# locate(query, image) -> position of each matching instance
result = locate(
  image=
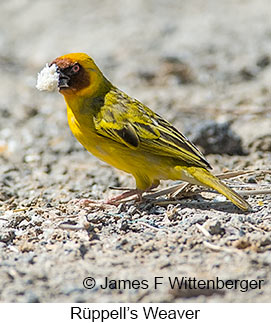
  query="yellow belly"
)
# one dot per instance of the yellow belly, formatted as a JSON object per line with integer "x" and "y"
{"x": 146, "y": 168}
{"x": 140, "y": 165}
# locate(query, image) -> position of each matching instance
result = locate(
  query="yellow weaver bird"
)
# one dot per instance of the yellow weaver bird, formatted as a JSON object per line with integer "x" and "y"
{"x": 128, "y": 135}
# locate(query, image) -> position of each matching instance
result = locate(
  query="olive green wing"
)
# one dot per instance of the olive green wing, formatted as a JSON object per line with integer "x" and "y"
{"x": 117, "y": 125}
{"x": 173, "y": 144}
{"x": 121, "y": 119}
{"x": 129, "y": 122}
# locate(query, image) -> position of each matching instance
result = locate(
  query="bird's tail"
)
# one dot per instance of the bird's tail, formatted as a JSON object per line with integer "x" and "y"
{"x": 205, "y": 178}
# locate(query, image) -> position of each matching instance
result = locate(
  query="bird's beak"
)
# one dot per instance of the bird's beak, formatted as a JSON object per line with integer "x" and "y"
{"x": 63, "y": 81}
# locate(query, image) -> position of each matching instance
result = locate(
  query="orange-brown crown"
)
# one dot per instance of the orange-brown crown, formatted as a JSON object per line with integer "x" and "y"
{"x": 78, "y": 75}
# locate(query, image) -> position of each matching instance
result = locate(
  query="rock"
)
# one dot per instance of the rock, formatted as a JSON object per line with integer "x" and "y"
{"x": 217, "y": 138}
{"x": 215, "y": 227}
{"x": 262, "y": 143}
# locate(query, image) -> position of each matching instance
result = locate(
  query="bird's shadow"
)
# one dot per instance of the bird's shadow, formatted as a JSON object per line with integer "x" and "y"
{"x": 203, "y": 205}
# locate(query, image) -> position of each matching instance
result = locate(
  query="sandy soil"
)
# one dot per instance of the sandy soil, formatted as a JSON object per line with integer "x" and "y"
{"x": 203, "y": 65}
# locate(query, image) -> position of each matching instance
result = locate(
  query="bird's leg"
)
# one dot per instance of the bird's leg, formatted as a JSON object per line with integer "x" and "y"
{"x": 118, "y": 199}
{"x": 101, "y": 204}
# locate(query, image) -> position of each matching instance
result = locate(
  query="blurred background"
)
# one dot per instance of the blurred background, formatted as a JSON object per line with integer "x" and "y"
{"x": 204, "y": 65}
{"x": 191, "y": 61}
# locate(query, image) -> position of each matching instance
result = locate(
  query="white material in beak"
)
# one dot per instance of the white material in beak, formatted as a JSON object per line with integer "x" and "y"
{"x": 48, "y": 78}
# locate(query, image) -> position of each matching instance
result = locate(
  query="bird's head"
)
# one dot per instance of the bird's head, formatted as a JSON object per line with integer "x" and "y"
{"x": 78, "y": 75}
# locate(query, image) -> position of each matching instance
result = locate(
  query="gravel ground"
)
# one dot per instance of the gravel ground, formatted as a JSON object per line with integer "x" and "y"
{"x": 204, "y": 65}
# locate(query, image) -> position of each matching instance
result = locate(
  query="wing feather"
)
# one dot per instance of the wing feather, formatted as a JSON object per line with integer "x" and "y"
{"x": 129, "y": 122}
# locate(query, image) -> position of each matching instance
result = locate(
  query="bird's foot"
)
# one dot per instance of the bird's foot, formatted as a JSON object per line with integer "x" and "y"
{"x": 93, "y": 204}
{"x": 121, "y": 197}
{"x": 103, "y": 205}
{"x": 128, "y": 196}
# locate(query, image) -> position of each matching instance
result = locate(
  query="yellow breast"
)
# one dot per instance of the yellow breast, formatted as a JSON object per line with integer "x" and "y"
{"x": 105, "y": 149}
{"x": 146, "y": 168}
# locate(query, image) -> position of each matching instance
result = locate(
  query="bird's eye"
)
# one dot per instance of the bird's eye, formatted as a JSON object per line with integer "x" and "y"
{"x": 75, "y": 68}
